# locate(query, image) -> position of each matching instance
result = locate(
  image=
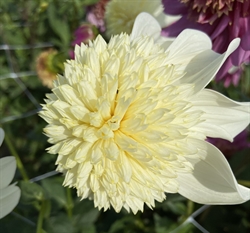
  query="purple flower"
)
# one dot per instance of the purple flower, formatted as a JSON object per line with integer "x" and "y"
{"x": 83, "y": 34}
{"x": 96, "y": 14}
{"x": 229, "y": 148}
{"x": 222, "y": 21}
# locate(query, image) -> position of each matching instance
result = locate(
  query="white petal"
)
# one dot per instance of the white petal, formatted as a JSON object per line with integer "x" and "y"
{"x": 223, "y": 117}
{"x": 145, "y": 24}
{"x": 1, "y": 136}
{"x": 9, "y": 198}
{"x": 165, "y": 20}
{"x": 7, "y": 170}
{"x": 203, "y": 67}
{"x": 165, "y": 42}
{"x": 187, "y": 45}
{"x": 212, "y": 181}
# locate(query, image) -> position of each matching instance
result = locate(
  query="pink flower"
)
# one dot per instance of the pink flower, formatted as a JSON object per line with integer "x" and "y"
{"x": 222, "y": 21}
{"x": 83, "y": 34}
{"x": 96, "y": 14}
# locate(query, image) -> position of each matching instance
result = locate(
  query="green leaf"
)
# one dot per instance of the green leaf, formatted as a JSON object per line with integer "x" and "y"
{"x": 161, "y": 223}
{"x": 88, "y": 228}
{"x": 55, "y": 190}
{"x": 177, "y": 207}
{"x": 85, "y": 215}
{"x": 31, "y": 192}
{"x": 59, "y": 224}
{"x": 121, "y": 224}
{"x": 59, "y": 25}
{"x": 166, "y": 225}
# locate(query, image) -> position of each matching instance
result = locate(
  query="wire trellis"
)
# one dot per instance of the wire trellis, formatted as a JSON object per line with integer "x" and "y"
{"x": 17, "y": 77}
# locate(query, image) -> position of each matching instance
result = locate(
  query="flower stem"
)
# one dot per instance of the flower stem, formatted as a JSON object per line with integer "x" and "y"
{"x": 42, "y": 212}
{"x": 70, "y": 204}
{"x": 190, "y": 208}
{"x": 244, "y": 182}
{"x": 18, "y": 160}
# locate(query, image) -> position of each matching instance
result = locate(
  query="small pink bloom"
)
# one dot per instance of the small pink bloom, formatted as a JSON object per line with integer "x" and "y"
{"x": 83, "y": 34}
{"x": 96, "y": 14}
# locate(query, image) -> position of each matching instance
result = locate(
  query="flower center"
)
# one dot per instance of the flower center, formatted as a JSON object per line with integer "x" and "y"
{"x": 105, "y": 132}
{"x": 108, "y": 128}
{"x": 215, "y": 6}
{"x": 210, "y": 10}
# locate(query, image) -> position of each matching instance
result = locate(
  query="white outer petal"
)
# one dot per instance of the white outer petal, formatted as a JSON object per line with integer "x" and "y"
{"x": 165, "y": 20}
{"x": 9, "y": 198}
{"x": 223, "y": 117}
{"x": 7, "y": 170}
{"x": 212, "y": 181}
{"x": 203, "y": 67}
{"x": 187, "y": 45}
{"x": 147, "y": 25}
{"x": 1, "y": 136}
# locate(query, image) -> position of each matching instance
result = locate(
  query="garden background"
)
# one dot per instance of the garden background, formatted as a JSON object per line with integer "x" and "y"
{"x": 26, "y": 29}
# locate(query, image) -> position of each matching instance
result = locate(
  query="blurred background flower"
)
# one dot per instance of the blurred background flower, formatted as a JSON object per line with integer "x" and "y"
{"x": 120, "y": 15}
{"x": 95, "y": 14}
{"x": 83, "y": 34}
{"x": 48, "y": 64}
{"x": 222, "y": 21}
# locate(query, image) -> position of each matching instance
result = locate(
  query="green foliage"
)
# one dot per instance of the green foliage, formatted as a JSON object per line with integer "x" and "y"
{"x": 59, "y": 26}
{"x": 31, "y": 192}
{"x": 55, "y": 190}
{"x": 59, "y": 223}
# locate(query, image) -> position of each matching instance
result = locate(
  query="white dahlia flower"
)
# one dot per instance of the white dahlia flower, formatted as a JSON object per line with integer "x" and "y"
{"x": 120, "y": 15}
{"x": 129, "y": 120}
{"x": 9, "y": 194}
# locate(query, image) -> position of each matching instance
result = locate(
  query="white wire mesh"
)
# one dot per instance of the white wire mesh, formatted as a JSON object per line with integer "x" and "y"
{"x": 17, "y": 77}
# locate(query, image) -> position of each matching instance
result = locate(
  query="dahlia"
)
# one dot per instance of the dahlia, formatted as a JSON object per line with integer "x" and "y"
{"x": 129, "y": 120}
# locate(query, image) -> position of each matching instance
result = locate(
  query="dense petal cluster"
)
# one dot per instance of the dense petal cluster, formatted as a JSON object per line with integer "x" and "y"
{"x": 9, "y": 194}
{"x": 222, "y": 21}
{"x": 129, "y": 119}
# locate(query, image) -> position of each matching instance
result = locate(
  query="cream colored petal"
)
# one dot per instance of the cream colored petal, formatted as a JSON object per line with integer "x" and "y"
{"x": 9, "y": 198}
{"x": 223, "y": 117}
{"x": 145, "y": 24}
{"x": 7, "y": 170}
{"x": 212, "y": 181}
